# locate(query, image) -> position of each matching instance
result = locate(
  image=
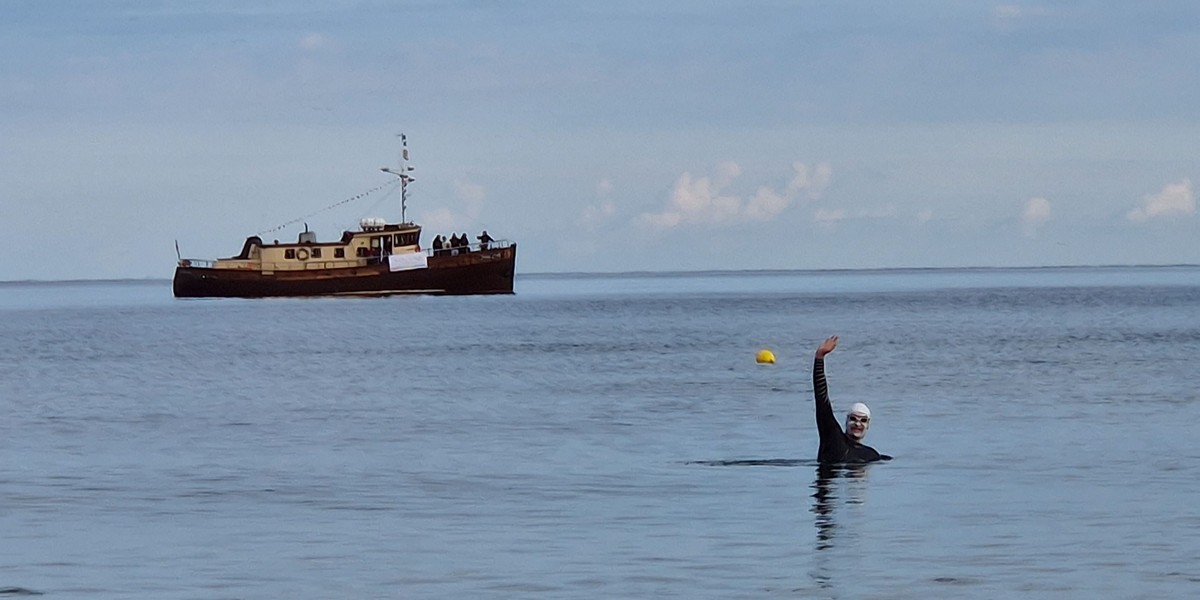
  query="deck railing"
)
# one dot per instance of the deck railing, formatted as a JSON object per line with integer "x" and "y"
{"x": 492, "y": 245}
{"x": 200, "y": 263}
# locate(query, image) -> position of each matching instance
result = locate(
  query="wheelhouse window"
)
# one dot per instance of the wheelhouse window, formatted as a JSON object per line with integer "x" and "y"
{"x": 379, "y": 242}
{"x": 316, "y": 253}
{"x": 339, "y": 253}
{"x": 289, "y": 253}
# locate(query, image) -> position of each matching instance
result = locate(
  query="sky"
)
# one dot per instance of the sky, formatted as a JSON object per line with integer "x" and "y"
{"x": 616, "y": 136}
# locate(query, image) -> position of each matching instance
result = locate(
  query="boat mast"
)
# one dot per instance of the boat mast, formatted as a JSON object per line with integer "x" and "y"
{"x": 405, "y": 178}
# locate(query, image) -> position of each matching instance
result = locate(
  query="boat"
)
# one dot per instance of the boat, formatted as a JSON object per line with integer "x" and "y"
{"x": 381, "y": 258}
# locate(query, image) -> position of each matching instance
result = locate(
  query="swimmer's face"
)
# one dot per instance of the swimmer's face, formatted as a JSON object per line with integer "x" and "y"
{"x": 857, "y": 425}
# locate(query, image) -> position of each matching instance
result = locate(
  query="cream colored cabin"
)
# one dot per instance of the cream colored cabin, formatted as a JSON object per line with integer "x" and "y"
{"x": 375, "y": 239}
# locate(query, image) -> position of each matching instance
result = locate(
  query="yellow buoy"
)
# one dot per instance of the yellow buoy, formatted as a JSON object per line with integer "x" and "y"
{"x": 765, "y": 357}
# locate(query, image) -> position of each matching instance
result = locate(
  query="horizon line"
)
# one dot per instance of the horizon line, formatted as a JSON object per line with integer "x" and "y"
{"x": 643, "y": 273}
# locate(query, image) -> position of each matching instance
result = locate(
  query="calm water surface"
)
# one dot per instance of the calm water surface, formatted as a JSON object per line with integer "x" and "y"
{"x": 606, "y": 436}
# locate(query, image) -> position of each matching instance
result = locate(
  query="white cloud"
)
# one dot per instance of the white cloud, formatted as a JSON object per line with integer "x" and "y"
{"x": 698, "y": 200}
{"x": 726, "y": 173}
{"x": 667, "y": 220}
{"x": 703, "y": 199}
{"x": 831, "y": 216}
{"x": 471, "y": 197}
{"x": 440, "y": 220}
{"x": 314, "y": 41}
{"x": 603, "y": 210}
{"x": 1175, "y": 199}
{"x": 814, "y": 183}
{"x": 598, "y": 213}
{"x": 472, "y": 193}
{"x": 765, "y": 204}
{"x": 925, "y": 216}
{"x": 1035, "y": 214}
{"x": 827, "y": 216}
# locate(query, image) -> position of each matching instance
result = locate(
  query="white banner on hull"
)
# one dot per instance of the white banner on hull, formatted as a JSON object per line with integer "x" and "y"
{"x": 406, "y": 262}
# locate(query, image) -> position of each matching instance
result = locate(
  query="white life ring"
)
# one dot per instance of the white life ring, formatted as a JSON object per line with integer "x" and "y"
{"x": 302, "y": 254}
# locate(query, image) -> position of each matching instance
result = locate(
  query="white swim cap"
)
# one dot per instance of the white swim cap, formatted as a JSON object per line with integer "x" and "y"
{"x": 860, "y": 409}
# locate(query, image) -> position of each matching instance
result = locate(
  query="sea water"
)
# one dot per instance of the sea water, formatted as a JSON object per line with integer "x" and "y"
{"x": 606, "y": 436}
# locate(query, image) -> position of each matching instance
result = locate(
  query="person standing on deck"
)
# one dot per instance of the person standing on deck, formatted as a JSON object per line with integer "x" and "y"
{"x": 839, "y": 446}
{"x": 484, "y": 240}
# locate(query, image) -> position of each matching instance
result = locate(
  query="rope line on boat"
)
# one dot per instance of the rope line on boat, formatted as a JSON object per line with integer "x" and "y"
{"x": 390, "y": 184}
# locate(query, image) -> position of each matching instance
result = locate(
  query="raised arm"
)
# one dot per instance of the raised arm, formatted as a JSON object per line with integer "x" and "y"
{"x": 827, "y": 424}
{"x": 827, "y": 346}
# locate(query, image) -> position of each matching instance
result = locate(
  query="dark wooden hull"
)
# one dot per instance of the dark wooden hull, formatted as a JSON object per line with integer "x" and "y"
{"x": 478, "y": 272}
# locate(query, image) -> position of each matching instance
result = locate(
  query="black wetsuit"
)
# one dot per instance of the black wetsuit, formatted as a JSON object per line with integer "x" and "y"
{"x": 836, "y": 446}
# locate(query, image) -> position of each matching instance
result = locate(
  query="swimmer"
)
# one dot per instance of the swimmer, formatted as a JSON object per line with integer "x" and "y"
{"x": 838, "y": 446}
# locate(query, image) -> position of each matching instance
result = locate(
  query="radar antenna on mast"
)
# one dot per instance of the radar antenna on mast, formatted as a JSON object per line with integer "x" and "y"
{"x": 404, "y": 176}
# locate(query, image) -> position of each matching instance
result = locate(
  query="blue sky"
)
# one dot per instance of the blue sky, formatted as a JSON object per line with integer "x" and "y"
{"x": 614, "y": 136}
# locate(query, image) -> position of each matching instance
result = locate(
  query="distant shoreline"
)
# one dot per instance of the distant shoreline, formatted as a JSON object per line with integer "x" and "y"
{"x": 863, "y": 270}
{"x": 705, "y": 273}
